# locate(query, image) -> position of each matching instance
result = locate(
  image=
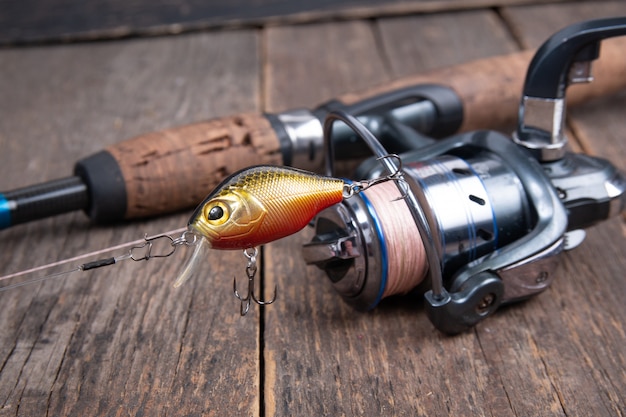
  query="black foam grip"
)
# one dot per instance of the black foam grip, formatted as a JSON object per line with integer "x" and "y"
{"x": 106, "y": 186}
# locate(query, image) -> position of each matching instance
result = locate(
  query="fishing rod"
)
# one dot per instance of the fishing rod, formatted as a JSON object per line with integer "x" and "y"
{"x": 474, "y": 221}
{"x": 151, "y": 174}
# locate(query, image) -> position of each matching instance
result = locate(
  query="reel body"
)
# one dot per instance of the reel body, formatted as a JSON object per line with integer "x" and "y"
{"x": 498, "y": 218}
{"x": 492, "y": 211}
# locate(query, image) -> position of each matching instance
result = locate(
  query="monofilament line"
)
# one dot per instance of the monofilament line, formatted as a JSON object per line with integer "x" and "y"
{"x": 76, "y": 258}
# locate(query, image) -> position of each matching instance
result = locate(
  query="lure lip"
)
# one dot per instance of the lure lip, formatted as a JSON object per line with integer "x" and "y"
{"x": 201, "y": 248}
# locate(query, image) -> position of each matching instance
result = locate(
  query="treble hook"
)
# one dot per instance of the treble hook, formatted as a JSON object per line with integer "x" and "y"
{"x": 251, "y": 270}
{"x": 358, "y": 186}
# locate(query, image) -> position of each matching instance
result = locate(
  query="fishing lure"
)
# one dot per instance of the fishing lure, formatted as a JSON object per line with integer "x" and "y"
{"x": 253, "y": 207}
{"x": 250, "y": 208}
{"x": 259, "y": 205}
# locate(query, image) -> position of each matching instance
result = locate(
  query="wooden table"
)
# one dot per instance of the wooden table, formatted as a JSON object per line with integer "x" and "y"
{"x": 121, "y": 341}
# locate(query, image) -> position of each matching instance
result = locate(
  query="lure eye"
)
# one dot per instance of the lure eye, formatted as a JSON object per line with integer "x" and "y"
{"x": 216, "y": 213}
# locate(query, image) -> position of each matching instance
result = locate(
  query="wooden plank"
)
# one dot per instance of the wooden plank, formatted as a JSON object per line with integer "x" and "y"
{"x": 71, "y": 20}
{"x": 450, "y": 32}
{"x": 321, "y": 356}
{"x": 119, "y": 340}
{"x": 307, "y": 65}
{"x": 577, "y": 327}
{"x": 532, "y": 25}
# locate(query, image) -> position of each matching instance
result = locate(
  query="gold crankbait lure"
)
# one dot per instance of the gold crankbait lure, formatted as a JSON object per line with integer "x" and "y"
{"x": 256, "y": 206}
{"x": 262, "y": 204}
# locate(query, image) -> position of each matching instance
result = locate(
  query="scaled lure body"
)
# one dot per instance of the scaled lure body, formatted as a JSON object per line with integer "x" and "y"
{"x": 262, "y": 204}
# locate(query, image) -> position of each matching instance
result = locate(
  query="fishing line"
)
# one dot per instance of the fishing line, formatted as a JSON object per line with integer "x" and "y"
{"x": 139, "y": 243}
{"x": 407, "y": 262}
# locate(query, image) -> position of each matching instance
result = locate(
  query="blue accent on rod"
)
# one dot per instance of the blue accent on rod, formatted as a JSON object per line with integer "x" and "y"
{"x": 5, "y": 212}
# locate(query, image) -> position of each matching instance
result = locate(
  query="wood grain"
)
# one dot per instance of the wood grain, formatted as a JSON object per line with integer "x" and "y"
{"x": 298, "y": 58}
{"x": 531, "y": 25}
{"x": 120, "y": 340}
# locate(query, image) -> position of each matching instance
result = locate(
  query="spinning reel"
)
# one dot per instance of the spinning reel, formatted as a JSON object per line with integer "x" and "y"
{"x": 490, "y": 212}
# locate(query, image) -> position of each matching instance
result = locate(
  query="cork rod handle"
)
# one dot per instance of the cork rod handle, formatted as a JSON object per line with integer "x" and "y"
{"x": 175, "y": 168}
